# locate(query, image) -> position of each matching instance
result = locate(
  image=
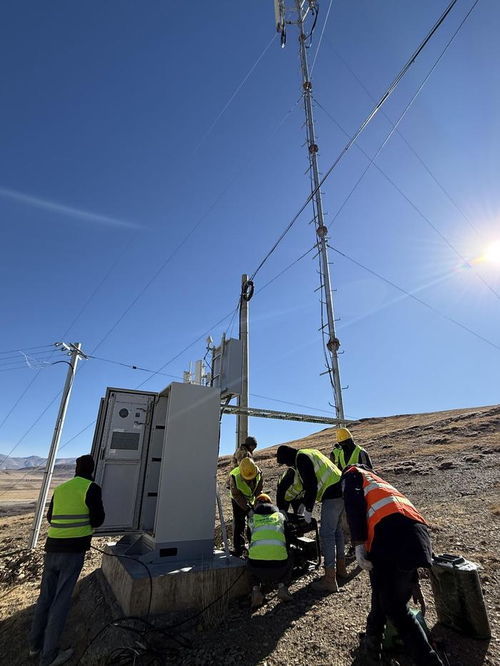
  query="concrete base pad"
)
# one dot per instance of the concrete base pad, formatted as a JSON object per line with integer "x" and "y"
{"x": 174, "y": 586}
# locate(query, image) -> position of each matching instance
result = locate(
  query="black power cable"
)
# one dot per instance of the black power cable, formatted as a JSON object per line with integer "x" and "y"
{"x": 150, "y": 628}
{"x": 143, "y": 564}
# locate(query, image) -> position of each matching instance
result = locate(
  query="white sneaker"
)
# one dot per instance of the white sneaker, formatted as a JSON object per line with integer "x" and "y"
{"x": 62, "y": 657}
{"x": 35, "y": 653}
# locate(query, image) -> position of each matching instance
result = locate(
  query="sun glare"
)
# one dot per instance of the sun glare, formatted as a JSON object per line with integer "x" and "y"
{"x": 492, "y": 253}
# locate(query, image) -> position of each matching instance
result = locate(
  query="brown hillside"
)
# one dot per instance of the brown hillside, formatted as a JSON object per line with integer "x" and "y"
{"x": 446, "y": 462}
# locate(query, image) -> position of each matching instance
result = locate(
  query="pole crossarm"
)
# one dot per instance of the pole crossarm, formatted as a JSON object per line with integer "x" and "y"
{"x": 283, "y": 416}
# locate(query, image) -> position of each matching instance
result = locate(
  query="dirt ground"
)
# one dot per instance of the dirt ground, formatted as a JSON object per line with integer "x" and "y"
{"x": 445, "y": 462}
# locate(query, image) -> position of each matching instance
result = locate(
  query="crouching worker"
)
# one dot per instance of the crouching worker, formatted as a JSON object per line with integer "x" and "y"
{"x": 391, "y": 540}
{"x": 268, "y": 561}
{"x": 76, "y": 508}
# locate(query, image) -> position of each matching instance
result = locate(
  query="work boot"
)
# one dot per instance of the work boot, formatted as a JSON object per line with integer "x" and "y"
{"x": 373, "y": 650}
{"x": 327, "y": 583}
{"x": 62, "y": 657}
{"x": 257, "y": 597}
{"x": 341, "y": 569}
{"x": 284, "y": 593}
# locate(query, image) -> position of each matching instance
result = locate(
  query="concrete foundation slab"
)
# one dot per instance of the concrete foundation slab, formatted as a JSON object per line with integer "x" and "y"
{"x": 174, "y": 586}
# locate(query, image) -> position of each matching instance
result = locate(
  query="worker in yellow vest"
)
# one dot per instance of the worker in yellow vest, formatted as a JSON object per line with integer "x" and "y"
{"x": 245, "y": 483}
{"x": 320, "y": 479}
{"x": 75, "y": 510}
{"x": 346, "y": 452}
{"x": 391, "y": 541}
{"x": 268, "y": 560}
{"x": 290, "y": 492}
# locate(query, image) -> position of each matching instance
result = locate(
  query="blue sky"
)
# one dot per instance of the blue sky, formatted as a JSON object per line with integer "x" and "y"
{"x": 125, "y": 149}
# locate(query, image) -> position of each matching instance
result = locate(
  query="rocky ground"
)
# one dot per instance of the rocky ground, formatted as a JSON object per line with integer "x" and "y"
{"x": 445, "y": 462}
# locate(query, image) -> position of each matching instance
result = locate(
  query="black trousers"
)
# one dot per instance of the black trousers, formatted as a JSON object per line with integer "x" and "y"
{"x": 391, "y": 591}
{"x": 239, "y": 524}
{"x": 270, "y": 572}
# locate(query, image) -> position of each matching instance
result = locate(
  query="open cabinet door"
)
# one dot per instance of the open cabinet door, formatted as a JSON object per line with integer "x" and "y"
{"x": 122, "y": 432}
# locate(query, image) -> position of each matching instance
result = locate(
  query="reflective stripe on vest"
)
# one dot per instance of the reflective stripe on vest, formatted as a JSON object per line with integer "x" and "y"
{"x": 338, "y": 454}
{"x": 243, "y": 486}
{"x": 267, "y": 537}
{"x": 70, "y": 515}
{"x": 295, "y": 490}
{"x": 382, "y": 500}
{"x": 327, "y": 473}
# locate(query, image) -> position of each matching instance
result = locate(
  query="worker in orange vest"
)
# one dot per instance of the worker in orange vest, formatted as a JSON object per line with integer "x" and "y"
{"x": 392, "y": 541}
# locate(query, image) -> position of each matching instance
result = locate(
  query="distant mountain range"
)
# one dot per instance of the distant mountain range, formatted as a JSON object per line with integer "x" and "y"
{"x": 7, "y": 462}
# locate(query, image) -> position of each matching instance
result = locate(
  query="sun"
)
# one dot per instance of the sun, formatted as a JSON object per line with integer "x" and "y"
{"x": 492, "y": 253}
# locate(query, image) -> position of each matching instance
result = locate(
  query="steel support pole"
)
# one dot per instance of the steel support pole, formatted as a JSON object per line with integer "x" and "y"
{"x": 242, "y": 420}
{"x": 51, "y": 460}
{"x": 333, "y": 343}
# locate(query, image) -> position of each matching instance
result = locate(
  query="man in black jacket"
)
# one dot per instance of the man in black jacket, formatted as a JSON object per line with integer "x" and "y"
{"x": 75, "y": 509}
{"x": 391, "y": 541}
{"x": 320, "y": 480}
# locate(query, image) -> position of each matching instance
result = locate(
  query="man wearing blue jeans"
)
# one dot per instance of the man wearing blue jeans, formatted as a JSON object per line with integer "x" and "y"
{"x": 76, "y": 508}
{"x": 320, "y": 480}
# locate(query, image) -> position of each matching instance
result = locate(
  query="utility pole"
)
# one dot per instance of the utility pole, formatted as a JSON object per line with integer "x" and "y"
{"x": 242, "y": 420}
{"x": 74, "y": 349}
{"x": 302, "y": 10}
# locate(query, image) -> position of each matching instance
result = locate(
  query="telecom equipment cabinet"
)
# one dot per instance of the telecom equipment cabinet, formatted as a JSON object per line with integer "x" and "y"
{"x": 156, "y": 461}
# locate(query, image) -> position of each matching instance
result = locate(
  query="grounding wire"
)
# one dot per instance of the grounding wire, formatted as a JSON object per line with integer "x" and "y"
{"x": 321, "y": 36}
{"x": 234, "y": 94}
{"x": 392, "y": 182}
{"x": 408, "y": 144}
{"x": 287, "y": 402}
{"x": 287, "y": 268}
{"x": 191, "y": 344}
{"x": 416, "y": 298}
{"x": 359, "y": 131}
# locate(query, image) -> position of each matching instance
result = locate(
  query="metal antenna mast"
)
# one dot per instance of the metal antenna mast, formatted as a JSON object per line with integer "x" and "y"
{"x": 300, "y": 12}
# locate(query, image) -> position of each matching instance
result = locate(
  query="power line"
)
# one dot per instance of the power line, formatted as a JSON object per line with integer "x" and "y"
{"x": 133, "y": 367}
{"x": 12, "y": 351}
{"x": 359, "y": 131}
{"x": 416, "y": 298}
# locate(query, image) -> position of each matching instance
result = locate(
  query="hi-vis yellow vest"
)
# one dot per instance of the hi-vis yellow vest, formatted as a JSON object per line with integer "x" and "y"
{"x": 243, "y": 486}
{"x": 339, "y": 457}
{"x": 295, "y": 490}
{"x": 268, "y": 540}
{"x": 70, "y": 514}
{"x": 327, "y": 474}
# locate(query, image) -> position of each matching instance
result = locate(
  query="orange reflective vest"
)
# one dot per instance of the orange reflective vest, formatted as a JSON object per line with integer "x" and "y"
{"x": 382, "y": 500}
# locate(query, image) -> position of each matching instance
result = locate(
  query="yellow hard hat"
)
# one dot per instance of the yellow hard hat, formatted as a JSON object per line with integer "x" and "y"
{"x": 248, "y": 469}
{"x": 263, "y": 497}
{"x": 342, "y": 434}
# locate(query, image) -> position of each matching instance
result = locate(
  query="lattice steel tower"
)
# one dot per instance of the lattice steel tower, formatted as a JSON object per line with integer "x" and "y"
{"x": 298, "y": 13}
